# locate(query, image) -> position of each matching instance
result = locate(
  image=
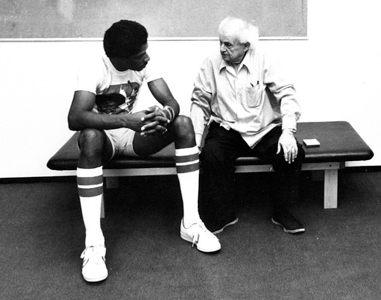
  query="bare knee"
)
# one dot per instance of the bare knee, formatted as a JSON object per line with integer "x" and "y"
{"x": 183, "y": 128}
{"x": 91, "y": 142}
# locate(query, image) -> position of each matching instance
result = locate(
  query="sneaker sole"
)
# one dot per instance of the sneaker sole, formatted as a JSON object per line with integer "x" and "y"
{"x": 292, "y": 231}
{"x": 227, "y": 225}
{"x": 95, "y": 279}
{"x": 190, "y": 240}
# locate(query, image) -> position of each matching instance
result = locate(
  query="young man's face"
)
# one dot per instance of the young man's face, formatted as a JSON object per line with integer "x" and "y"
{"x": 135, "y": 62}
{"x": 232, "y": 51}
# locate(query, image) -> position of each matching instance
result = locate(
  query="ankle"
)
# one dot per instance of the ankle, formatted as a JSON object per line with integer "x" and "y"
{"x": 94, "y": 239}
{"x": 187, "y": 222}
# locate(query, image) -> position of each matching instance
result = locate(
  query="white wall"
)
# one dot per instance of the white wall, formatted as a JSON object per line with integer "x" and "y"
{"x": 337, "y": 73}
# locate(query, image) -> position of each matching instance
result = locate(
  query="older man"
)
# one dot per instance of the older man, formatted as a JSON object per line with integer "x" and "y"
{"x": 250, "y": 108}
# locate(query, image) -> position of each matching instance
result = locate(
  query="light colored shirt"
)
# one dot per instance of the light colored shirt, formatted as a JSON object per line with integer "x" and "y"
{"x": 98, "y": 75}
{"x": 252, "y": 100}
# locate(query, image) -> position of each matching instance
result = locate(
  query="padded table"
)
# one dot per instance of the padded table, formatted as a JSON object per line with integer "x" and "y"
{"x": 339, "y": 143}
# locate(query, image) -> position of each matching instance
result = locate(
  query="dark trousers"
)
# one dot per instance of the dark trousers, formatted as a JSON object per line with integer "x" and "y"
{"x": 221, "y": 149}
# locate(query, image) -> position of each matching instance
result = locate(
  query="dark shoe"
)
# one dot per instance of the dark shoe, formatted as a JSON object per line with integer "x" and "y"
{"x": 288, "y": 222}
{"x": 218, "y": 226}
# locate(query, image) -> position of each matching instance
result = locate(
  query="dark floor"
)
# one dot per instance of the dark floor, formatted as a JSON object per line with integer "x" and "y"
{"x": 42, "y": 237}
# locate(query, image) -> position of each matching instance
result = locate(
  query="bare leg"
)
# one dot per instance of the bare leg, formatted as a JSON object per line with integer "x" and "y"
{"x": 95, "y": 149}
{"x": 180, "y": 131}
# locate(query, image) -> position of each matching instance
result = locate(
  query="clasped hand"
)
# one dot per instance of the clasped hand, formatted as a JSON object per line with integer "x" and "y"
{"x": 287, "y": 143}
{"x": 154, "y": 121}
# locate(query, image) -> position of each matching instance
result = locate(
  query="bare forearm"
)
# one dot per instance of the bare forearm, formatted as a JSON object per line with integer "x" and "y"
{"x": 94, "y": 120}
{"x": 163, "y": 95}
{"x": 175, "y": 105}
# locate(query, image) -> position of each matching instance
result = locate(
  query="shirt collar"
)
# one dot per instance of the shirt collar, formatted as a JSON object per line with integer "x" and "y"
{"x": 223, "y": 64}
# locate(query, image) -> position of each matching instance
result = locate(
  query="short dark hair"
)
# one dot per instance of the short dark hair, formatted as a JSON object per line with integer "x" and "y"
{"x": 124, "y": 39}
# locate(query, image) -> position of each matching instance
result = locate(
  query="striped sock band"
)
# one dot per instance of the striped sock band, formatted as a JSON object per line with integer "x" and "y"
{"x": 90, "y": 189}
{"x": 90, "y": 182}
{"x": 187, "y": 166}
{"x": 187, "y": 160}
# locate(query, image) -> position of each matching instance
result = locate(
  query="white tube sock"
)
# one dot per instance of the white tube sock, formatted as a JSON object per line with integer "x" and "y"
{"x": 187, "y": 165}
{"x": 90, "y": 189}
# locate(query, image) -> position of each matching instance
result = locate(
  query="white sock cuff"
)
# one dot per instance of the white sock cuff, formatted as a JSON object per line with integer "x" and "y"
{"x": 186, "y": 151}
{"x": 89, "y": 172}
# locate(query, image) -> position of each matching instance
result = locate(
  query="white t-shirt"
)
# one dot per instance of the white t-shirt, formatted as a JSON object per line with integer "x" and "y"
{"x": 115, "y": 91}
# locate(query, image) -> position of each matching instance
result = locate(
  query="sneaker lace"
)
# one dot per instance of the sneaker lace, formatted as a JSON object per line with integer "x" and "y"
{"x": 196, "y": 238}
{"x": 93, "y": 254}
{"x": 201, "y": 229}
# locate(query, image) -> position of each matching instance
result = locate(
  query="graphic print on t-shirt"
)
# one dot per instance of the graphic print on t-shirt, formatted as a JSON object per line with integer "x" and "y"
{"x": 118, "y": 98}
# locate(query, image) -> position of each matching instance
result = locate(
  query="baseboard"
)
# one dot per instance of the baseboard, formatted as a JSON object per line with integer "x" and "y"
{"x": 37, "y": 179}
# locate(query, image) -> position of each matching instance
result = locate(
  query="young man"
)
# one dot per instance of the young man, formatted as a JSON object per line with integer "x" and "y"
{"x": 251, "y": 109}
{"x": 103, "y": 110}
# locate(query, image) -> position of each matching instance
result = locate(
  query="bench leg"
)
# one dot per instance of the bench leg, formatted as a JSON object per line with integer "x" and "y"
{"x": 330, "y": 188}
{"x": 111, "y": 182}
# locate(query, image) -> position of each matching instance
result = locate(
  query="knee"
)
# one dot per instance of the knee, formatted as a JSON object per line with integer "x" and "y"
{"x": 91, "y": 142}
{"x": 213, "y": 154}
{"x": 279, "y": 163}
{"x": 300, "y": 157}
{"x": 301, "y": 153}
{"x": 183, "y": 127}
{"x": 215, "y": 162}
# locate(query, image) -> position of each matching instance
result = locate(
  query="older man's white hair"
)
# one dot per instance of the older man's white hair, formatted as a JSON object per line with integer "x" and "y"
{"x": 244, "y": 31}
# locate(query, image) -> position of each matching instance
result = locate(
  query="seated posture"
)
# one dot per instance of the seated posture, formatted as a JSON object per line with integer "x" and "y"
{"x": 103, "y": 110}
{"x": 250, "y": 109}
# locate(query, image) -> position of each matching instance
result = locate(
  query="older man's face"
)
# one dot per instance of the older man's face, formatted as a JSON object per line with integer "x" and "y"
{"x": 232, "y": 51}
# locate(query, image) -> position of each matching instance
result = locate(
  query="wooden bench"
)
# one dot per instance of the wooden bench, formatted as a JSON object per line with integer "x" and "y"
{"x": 339, "y": 143}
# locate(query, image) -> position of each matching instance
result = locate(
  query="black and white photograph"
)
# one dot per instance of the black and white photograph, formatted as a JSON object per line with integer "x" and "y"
{"x": 191, "y": 149}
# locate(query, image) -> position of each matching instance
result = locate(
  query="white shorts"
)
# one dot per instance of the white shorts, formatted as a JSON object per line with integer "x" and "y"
{"x": 121, "y": 140}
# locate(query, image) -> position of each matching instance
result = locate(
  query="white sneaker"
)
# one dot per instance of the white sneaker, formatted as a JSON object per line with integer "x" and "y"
{"x": 199, "y": 235}
{"x": 94, "y": 264}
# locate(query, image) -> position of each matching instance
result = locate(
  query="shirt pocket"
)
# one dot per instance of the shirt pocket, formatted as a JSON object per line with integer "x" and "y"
{"x": 254, "y": 95}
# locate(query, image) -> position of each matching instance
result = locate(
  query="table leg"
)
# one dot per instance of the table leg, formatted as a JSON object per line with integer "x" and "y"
{"x": 330, "y": 188}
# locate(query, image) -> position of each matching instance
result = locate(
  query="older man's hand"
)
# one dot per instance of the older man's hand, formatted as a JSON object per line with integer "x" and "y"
{"x": 287, "y": 143}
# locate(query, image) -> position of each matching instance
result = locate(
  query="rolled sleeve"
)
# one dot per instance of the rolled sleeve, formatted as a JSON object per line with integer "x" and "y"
{"x": 201, "y": 99}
